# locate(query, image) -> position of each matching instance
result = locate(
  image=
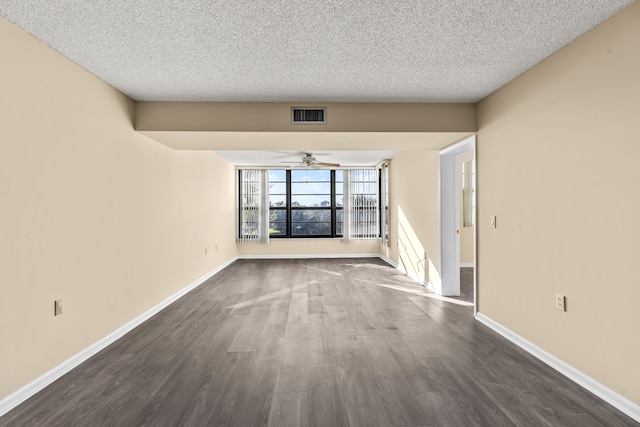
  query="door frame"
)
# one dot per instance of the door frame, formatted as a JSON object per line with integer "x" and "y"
{"x": 449, "y": 216}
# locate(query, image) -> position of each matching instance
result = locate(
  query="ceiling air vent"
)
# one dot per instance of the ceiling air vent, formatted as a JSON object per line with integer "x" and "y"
{"x": 309, "y": 115}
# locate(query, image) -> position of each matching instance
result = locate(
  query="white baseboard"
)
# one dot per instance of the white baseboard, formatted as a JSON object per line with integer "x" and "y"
{"x": 611, "y": 397}
{"x": 28, "y": 390}
{"x": 466, "y": 264}
{"x": 427, "y": 284}
{"x": 388, "y": 261}
{"x": 308, "y": 256}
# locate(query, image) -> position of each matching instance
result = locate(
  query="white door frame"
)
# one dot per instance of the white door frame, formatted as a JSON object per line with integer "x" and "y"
{"x": 448, "y": 220}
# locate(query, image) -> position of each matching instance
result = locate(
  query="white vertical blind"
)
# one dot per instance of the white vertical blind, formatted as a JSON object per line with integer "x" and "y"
{"x": 361, "y": 210}
{"x": 254, "y": 202}
{"x": 263, "y": 234}
{"x": 384, "y": 203}
{"x": 347, "y": 213}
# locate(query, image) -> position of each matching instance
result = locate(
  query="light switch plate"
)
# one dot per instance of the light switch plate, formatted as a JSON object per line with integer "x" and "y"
{"x": 493, "y": 221}
{"x": 57, "y": 307}
{"x": 560, "y": 302}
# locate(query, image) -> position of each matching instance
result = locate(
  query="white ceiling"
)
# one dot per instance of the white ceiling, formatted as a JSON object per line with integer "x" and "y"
{"x": 308, "y": 51}
{"x": 304, "y": 50}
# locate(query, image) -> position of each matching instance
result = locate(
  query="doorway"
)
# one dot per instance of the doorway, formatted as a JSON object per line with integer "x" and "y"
{"x": 452, "y": 220}
{"x": 465, "y": 218}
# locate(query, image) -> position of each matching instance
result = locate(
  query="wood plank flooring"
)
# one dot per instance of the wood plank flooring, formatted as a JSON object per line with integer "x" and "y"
{"x": 342, "y": 342}
{"x": 466, "y": 284}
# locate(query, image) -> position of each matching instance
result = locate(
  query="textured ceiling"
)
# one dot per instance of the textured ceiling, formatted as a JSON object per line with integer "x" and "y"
{"x": 304, "y": 51}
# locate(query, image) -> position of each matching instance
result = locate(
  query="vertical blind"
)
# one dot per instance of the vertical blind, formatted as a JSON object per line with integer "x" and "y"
{"x": 254, "y": 205}
{"x": 362, "y": 215}
{"x": 384, "y": 203}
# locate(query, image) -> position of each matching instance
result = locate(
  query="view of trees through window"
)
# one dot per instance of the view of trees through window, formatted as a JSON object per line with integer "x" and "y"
{"x": 312, "y": 198}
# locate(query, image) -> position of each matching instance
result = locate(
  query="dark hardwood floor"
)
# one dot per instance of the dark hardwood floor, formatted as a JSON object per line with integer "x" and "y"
{"x": 466, "y": 284}
{"x": 313, "y": 343}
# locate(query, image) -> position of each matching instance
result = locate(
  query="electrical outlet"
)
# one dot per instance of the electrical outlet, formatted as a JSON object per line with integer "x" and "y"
{"x": 205, "y": 251}
{"x": 561, "y": 302}
{"x": 216, "y": 247}
{"x": 57, "y": 304}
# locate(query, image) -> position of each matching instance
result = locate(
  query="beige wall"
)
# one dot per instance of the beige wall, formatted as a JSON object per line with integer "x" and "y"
{"x": 413, "y": 214}
{"x": 558, "y": 152}
{"x": 92, "y": 212}
{"x": 304, "y": 247}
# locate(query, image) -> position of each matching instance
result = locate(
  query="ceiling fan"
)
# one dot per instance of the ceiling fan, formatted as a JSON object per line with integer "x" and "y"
{"x": 309, "y": 161}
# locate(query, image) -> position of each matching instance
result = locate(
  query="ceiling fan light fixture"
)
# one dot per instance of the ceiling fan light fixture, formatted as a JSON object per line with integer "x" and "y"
{"x": 309, "y": 161}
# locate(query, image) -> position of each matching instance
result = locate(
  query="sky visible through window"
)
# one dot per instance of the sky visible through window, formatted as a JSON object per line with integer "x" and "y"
{"x": 309, "y": 188}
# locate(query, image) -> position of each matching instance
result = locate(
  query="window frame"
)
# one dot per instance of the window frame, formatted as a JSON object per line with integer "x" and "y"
{"x": 289, "y": 209}
{"x": 284, "y": 208}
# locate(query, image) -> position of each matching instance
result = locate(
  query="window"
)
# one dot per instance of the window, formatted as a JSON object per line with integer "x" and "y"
{"x": 312, "y": 210}
{"x": 339, "y": 201}
{"x": 277, "y": 202}
{"x": 302, "y": 203}
{"x": 311, "y": 203}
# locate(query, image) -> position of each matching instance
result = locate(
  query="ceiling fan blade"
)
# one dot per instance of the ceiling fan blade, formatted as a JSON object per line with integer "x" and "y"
{"x": 328, "y": 164}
